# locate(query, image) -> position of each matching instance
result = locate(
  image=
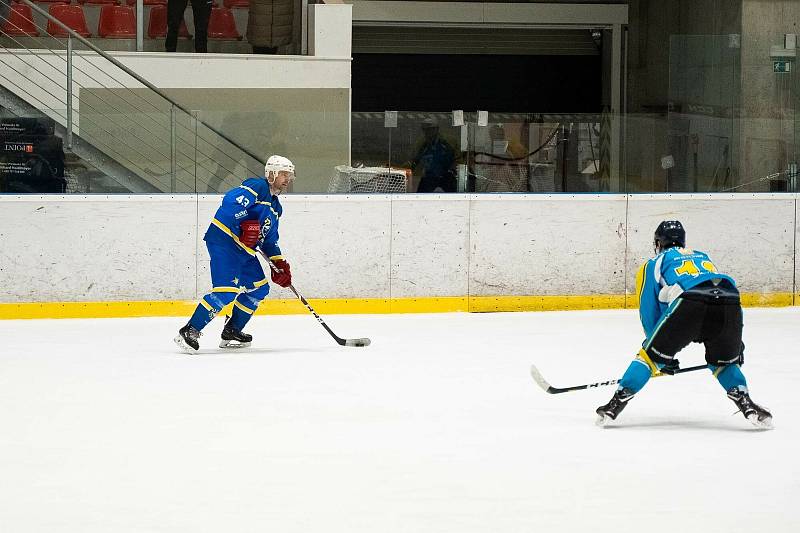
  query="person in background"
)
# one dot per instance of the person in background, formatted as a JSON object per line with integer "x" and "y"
{"x": 201, "y": 11}
{"x": 270, "y": 25}
{"x": 683, "y": 298}
{"x": 437, "y": 158}
{"x": 245, "y": 225}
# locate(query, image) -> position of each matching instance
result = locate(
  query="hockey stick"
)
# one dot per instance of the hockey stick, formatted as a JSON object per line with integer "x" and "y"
{"x": 342, "y": 342}
{"x": 537, "y": 377}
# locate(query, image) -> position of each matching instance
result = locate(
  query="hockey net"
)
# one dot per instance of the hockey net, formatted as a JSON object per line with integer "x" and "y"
{"x": 348, "y": 179}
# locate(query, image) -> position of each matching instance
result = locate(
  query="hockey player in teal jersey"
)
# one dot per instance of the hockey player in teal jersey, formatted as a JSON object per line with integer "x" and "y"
{"x": 683, "y": 298}
{"x": 245, "y": 224}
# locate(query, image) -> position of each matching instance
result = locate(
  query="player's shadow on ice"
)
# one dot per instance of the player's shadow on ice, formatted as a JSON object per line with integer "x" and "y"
{"x": 245, "y": 352}
{"x": 672, "y": 424}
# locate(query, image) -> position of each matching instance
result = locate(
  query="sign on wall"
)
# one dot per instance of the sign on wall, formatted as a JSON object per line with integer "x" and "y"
{"x": 31, "y": 156}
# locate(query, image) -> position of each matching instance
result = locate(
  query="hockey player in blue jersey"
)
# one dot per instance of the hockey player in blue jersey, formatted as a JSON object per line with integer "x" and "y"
{"x": 684, "y": 299}
{"x": 245, "y": 225}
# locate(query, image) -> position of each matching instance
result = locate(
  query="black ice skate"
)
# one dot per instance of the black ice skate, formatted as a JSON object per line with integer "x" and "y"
{"x": 757, "y": 415}
{"x": 610, "y": 411}
{"x": 187, "y": 339}
{"x": 233, "y": 338}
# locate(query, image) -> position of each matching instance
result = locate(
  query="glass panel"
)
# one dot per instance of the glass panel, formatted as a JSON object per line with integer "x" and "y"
{"x": 794, "y": 113}
{"x": 430, "y": 147}
{"x": 646, "y": 160}
{"x": 702, "y": 128}
{"x": 512, "y": 153}
{"x": 537, "y": 153}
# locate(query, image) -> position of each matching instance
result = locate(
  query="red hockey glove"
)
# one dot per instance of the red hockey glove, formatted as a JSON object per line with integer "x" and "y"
{"x": 282, "y": 276}
{"x": 250, "y": 232}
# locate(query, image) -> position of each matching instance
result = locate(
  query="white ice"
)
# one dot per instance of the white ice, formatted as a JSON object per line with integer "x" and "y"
{"x": 436, "y": 428}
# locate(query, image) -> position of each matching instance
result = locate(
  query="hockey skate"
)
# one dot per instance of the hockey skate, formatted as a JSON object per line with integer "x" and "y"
{"x": 232, "y": 338}
{"x": 610, "y": 411}
{"x": 757, "y": 415}
{"x": 187, "y": 339}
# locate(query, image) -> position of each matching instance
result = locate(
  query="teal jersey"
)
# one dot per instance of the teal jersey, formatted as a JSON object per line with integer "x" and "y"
{"x": 668, "y": 275}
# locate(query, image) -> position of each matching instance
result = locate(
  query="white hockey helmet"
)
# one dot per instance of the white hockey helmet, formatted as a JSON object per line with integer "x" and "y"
{"x": 278, "y": 163}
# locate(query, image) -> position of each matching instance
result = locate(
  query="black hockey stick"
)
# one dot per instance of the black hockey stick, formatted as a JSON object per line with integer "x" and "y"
{"x": 342, "y": 342}
{"x": 537, "y": 377}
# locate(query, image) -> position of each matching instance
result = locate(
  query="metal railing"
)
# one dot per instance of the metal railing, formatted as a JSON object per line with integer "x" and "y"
{"x": 104, "y": 108}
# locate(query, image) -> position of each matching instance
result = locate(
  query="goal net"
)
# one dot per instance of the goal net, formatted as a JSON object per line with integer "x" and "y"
{"x": 368, "y": 180}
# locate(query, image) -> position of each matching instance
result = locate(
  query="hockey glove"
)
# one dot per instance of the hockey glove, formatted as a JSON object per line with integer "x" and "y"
{"x": 250, "y": 231}
{"x": 281, "y": 275}
{"x": 670, "y": 367}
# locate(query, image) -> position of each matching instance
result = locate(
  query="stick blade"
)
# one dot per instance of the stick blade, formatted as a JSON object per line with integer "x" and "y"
{"x": 539, "y": 379}
{"x": 358, "y": 342}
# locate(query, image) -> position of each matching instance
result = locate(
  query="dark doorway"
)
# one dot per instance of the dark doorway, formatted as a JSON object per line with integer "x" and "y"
{"x": 510, "y": 83}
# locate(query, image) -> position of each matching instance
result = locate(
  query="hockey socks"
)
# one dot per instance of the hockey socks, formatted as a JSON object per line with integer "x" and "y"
{"x": 636, "y": 376}
{"x": 730, "y": 376}
{"x": 243, "y": 308}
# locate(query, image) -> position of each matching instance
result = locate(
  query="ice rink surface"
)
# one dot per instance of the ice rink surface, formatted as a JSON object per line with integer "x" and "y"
{"x": 435, "y": 428}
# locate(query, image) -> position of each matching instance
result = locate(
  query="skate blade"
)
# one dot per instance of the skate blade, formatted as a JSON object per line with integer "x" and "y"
{"x": 233, "y": 345}
{"x": 760, "y": 424}
{"x": 183, "y": 346}
{"x": 602, "y": 420}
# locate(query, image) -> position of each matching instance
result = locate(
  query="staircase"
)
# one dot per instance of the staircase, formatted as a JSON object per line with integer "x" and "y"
{"x": 117, "y": 132}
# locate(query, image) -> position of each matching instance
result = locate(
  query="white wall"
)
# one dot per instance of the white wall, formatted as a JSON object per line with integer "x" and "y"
{"x": 750, "y": 236}
{"x": 118, "y": 248}
{"x": 40, "y": 79}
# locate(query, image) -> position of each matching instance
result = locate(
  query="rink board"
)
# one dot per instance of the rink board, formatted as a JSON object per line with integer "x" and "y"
{"x": 144, "y": 255}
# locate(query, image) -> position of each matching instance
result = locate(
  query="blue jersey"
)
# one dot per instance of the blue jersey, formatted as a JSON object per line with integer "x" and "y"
{"x": 668, "y": 275}
{"x": 252, "y": 200}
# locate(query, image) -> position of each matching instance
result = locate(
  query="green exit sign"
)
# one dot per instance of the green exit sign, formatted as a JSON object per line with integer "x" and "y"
{"x": 781, "y": 66}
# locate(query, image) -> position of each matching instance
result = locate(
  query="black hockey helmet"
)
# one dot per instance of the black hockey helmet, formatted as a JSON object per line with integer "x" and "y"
{"x": 669, "y": 233}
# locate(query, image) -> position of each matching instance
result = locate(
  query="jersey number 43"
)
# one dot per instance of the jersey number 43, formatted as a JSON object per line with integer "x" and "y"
{"x": 689, "y": 268}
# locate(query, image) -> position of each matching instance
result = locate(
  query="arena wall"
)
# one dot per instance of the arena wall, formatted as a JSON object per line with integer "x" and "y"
{"x": 140, "y": 255}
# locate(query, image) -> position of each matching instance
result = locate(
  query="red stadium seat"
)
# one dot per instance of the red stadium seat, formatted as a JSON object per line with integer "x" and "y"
{"x": 157, "y": 24}
{"x": 70, "y": 15}
{"x": 19, "y": 22}
{"x": 117, "y": 22}
{"x": 98, "y": 1}
{"x": 221, "y": 25}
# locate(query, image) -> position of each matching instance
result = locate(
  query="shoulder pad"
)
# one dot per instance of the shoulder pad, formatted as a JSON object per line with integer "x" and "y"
{"x": 260, "y": 186}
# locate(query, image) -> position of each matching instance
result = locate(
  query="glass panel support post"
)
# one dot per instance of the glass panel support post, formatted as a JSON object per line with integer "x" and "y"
{"x": 69, "y": 93}
{"x": 173, "y": 151}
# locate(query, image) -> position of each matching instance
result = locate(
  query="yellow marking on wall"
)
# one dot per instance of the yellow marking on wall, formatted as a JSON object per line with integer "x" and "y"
{"x": 474, "y": 304}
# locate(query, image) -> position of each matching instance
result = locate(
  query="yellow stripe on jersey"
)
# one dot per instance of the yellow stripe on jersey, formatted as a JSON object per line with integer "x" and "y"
{"x": 245, "y": 187}
{"x": 640, "y": 282}
{"x": 243, "y": 307}
{"x": 207, "y": 305}
{"x": 233, "y": 236}
{"x": 261, "y": 283}
{"x": 642, "y": 355}
{"x": 225, "y": 289}
{"x": 270, "y": 208}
